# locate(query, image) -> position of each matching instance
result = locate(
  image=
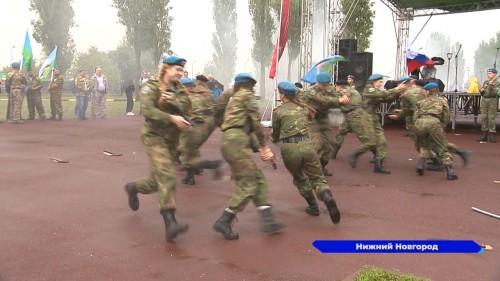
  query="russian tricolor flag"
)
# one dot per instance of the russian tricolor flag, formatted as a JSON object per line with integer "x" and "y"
{"x": 415, "y": 60}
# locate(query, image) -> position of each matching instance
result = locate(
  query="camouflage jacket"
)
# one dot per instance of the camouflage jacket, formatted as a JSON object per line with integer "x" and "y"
{"x": 34, "y": 85}
{"x": 158, "y": 111}
{"x": 289, "y": 119}
{"x": 409, "y": 100}
{"x": 16, "y": 80}
{"x": 241, "y": 110}
{"x": 82, "y": 86}
{"x": 356, "y": 101}
{"x": 55, "y": 87}
{"x": 433, "y": 105}
{"x": 315, "y": 99}
{"x": 372, "y": 98}
{"x": 490, "y": 91}
{"x": 95, "y": 83}
{"x": 201, "y": 102}
{"x": 220, "y": 106}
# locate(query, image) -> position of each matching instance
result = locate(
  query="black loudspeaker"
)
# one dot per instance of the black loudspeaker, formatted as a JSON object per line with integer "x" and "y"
{"x": 344, "y": 69}
{"x": 347, "y": 47}
{"x": 361, "y": 65}
{"x": 437, "y": 81}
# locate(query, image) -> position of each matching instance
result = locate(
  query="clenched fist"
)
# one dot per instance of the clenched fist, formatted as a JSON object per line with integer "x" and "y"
{"x": 266, "y": 154}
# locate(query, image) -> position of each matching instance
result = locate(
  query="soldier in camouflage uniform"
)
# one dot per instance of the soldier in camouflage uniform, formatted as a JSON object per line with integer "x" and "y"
{"x": 431, "y": 116}
{"x": 319, "y": 127}
{"x": 99, "y": 88}
{"x": 55, "y": 91}
{"x": 164, "y": 102}
{"x": 16, "y": 82}
{"x": 34, "y": 96}
{"x": 82, "y": 94}
{"x": 290, "y": 122}
{"x": 356, "y": 120}
{"x": 202, "y": 118}
{"x": 241, "y": 119}
{"x": 372, "y": 99}
{"x": 489, "y": 102}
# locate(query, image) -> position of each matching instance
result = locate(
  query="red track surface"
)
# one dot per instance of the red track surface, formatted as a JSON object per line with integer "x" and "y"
{"x": 71, "y": 221}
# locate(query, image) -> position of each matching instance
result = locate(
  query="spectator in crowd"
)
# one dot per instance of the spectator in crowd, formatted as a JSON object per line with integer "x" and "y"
{"x": 100, "y": 88}
{"x": 129, "y": 92}
{"x": 217, "y": 91}
{"x": 428, "y": 71}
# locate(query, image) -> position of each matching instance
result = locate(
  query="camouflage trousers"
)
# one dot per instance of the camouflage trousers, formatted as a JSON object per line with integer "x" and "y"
{"x": 322, "y": 139}
{"x": 361, "y": 124}
{"x": 193, "y": 138}
{"x": 99, "y": 105}
{"x": 35, "y": 102}
{"x": 55, "y": 104}
{"x": 302, "y": 162}
{"x": 251, "y": 183}
{"x": 429, "y": 131}
{"x": 16, "y": 102}
{"x": 488, "y": 114}
{"x": 381, "y": 151}
{"x": 162, "y": 177}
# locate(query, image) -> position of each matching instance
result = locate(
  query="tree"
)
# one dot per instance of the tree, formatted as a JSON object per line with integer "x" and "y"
{"x": 55, "y": 19}
{"x": 360, "y": 24}
{"x": 93, "y": 58}
{"x": 262, "y": 30}
{"x": 148, "y": 27}
{"x": 294, "y": 31}
{"x": 224, "y": 40}
{"x": 485, "y": 55}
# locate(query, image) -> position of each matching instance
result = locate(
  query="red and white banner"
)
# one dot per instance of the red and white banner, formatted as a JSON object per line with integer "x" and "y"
{"x": 283, "y": 37}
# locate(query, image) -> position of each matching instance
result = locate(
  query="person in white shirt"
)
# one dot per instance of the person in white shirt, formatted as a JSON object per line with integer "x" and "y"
{"x": 99, "y": 92}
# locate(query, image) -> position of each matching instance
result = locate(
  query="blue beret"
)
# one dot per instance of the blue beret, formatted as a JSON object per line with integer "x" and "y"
{"x": 414, "y": 76}
{"x": 323, "y": 78}
{"x": 404, "y": 79}
{"x": 493, "y": 70}
{"x": 375, "y": 77}
{"x": 243, "y": 77}
{"x": 16, "y": 65}
{"x": 187, "y": 82}
{"x": 430, "y": 86}
{"x": 287, "y": 88}
{"x": 173, "y": 60}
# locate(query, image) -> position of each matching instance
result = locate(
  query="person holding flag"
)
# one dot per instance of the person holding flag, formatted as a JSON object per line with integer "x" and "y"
{"x": 55, "y": 91}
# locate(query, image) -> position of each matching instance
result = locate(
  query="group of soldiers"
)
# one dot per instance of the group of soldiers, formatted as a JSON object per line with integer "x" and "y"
{"x": 19, "y": 84}
{"x": 180, "y": 116}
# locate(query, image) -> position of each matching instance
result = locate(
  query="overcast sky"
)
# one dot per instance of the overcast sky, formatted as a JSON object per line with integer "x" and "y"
{"x": 96, "y": 23}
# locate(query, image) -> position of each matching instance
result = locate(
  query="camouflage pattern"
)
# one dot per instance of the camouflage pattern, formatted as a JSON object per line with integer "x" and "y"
{"x": 202, "y": 118}
{"x": 98, "y": 98}
{"x": 82, "y": 86}
{"x": 160, "y": 138}
{"x": 355, "y": 120}
{"x": 409, "y": 100}
{"x": 431, "y": 116}
{"x": 300, "y": 159}
{"x": 489, "y": 102}
{"x": 17, "y": 82}
{"x": 242, "y": 110}
{"x": 55, "y": 91}
{"x": 34, "y": 96}
{"x": 372, "y": 99}
{"x": 319, "y": 128}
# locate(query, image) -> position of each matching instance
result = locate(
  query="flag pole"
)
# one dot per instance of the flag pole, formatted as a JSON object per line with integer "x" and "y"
{"x": 275, "y": 96}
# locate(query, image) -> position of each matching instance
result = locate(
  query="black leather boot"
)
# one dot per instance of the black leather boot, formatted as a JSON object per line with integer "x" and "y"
{"x": 269, "y": 224}
{"x": 172, "y": 228}
{"x": 379, "y": 167}
{"x": 450, "y": 173}
{"x": 224, "y": 226}
{"x": 421, "y": 166}
{"x": 189, "y": 179}
{"x": 493, "y": 138}
{"x": 313, "y": 208}
{"x": 464, "y": 154}
{"x": 353, "y": 159}
{"x": 213, "y": 165}
{"x": 325, "y": 171}
{"x": 483, "y": 136}
{"x": 435, "y": 165}
{"x": 133, "y": 201}
{"x": 331, "y": 205}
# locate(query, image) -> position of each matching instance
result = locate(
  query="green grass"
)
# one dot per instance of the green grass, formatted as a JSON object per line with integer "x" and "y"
{"x": 113, "y": 108}
{"x": 377, "y": 274}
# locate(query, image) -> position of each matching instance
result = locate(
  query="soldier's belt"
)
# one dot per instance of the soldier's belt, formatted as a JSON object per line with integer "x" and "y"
{"x": 428, "y": 116}
{"x": 295, "y": 139}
